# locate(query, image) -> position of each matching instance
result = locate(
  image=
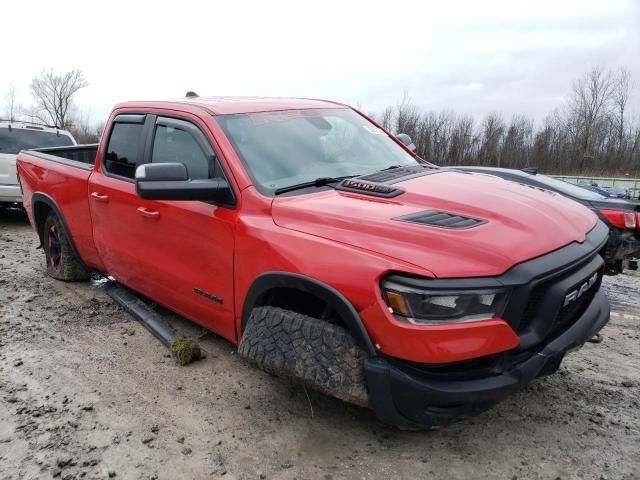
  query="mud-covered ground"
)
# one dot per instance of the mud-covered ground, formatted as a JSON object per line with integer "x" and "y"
{"x": 86, "y": 392}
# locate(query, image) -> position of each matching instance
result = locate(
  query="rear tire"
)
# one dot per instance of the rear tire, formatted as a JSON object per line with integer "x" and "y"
{"x": 316, "y": 353}
{"x": 62, "y": 262}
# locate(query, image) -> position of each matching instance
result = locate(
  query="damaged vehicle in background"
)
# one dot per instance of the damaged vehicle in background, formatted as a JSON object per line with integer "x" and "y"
{"x": 622, "y": 250}
{"x": 326, "y": 250}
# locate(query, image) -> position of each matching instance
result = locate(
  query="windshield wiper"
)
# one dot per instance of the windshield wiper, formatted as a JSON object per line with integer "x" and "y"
{"x": 318, "y": 182}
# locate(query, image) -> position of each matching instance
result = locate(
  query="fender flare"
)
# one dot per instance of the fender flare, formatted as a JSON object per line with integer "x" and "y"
{"x": 40, "y": 197}
{"x": 270, "y": 280}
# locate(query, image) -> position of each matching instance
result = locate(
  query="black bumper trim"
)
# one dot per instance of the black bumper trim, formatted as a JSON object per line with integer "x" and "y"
{"x": 408, "y": 401}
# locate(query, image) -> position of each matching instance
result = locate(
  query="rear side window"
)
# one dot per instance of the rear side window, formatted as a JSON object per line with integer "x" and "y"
{"x": 15, "y": 139}
{"x": 174, "y": 145}
{"x": 124, "y": 151}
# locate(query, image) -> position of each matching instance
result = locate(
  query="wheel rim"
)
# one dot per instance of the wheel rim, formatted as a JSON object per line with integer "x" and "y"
{"x": 55, "y": 252}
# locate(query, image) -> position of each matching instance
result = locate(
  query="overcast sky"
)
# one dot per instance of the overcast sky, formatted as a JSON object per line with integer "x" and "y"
{"x": 470, "y": 56}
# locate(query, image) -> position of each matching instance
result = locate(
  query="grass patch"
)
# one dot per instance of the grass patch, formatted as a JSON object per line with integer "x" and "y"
{"x": 186, "y": 351}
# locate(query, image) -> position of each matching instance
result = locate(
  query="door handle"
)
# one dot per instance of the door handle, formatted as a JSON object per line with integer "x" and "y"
{"x": 99, "y": 197}
{"x": 148, "y": 213}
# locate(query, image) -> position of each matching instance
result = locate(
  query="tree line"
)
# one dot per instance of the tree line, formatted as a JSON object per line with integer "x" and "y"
{"x": 592, "y": 134}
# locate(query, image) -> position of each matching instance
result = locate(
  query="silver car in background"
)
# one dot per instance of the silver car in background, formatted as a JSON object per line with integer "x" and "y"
{"x": 16, "y": 136}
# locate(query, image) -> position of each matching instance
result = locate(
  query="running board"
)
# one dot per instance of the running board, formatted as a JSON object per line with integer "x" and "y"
{"x": 147, "y": 316}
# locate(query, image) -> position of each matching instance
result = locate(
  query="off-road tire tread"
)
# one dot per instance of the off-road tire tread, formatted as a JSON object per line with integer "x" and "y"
{"x": 73, "y": 269}
{"x": 314, "y": 352}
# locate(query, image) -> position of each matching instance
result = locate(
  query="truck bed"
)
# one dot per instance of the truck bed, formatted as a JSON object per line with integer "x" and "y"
{"x": 59, "y": 176}
{"x": 83, "y": 156}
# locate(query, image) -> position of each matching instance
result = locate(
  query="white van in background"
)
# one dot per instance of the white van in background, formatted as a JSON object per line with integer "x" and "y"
{"x": 16, "y": 136}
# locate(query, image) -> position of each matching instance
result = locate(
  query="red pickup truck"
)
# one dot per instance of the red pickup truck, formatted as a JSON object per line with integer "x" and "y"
{"x": 321, "y": 245}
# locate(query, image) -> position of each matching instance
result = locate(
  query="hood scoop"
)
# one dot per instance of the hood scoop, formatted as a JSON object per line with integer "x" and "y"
{"x": 435, "y": 218}
{"x": 389, "y": 176}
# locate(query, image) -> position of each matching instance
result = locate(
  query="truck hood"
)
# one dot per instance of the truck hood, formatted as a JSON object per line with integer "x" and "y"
{"x": 520, "y": 222}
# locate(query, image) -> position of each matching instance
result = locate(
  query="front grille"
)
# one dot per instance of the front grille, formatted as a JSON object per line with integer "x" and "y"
{"x": 533, "y": 305}
{"x": 435, "y": 218}
{"x": 565, "y": 316}
{"x": 570, "y": 313}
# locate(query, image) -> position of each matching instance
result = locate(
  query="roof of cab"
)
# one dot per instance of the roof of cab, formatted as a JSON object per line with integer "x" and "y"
{"x": 234, "y": 105}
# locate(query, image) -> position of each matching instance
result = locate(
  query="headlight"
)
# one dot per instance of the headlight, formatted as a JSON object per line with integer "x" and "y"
{"x": 422, "y": 306}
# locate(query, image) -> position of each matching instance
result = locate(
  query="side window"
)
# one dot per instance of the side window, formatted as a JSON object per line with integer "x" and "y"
{"x": 124, "y": 149}
{"x": 172, "y": 144}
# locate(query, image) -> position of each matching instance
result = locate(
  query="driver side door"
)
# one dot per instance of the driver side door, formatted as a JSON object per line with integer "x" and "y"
{"x": 182, "y": 251}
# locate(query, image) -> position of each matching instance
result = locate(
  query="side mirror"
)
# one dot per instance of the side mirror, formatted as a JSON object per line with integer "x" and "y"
{"x": 406, "y": 140}
{"x": 170, "y": 181}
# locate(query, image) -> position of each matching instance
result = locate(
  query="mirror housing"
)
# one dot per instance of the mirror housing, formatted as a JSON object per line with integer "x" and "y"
{"x": 406, "y": 141}
{"x": 157, "y": 172}
{"x": 170, "y": 181}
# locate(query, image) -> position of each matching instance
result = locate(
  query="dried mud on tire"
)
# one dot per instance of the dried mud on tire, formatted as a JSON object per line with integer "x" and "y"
{"x": 313, "y": 352}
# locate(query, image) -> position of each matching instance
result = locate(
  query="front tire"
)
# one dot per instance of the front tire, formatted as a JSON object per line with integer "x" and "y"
{"x": 318, "y": 354}
{"x": 62, "y": 262}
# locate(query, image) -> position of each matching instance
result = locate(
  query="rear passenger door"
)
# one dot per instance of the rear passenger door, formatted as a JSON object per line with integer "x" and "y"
{"x": 179, "y": 253}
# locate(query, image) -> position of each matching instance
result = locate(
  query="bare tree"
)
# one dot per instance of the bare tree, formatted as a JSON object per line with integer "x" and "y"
{"x": 53, "y": 93}
{"x": 463, "y": 141}
{"x": 83, "y": 129}
{"x": 10, "y": 105}
{"x": 621, "y": 95}
{"x": 30, "y": 112}
{"x": 589, "y": 104}
{"x": 407, "y": 116}
{"x": 516, "y": 147}
{"x": 385, "y": 118}
{"x": 492, "y": 133}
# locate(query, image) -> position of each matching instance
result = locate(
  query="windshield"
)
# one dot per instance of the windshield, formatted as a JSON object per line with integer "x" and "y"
{"x": 570, "y": 189}
{"x": 15, "y": 139}
{"x": 280, "y": 149}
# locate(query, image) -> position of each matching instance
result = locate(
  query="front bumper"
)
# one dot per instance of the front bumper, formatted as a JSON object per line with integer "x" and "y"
{"x": 412, "y": 400}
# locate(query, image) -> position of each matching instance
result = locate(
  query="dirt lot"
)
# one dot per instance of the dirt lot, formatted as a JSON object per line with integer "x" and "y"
{"x": 86, "y": 392}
